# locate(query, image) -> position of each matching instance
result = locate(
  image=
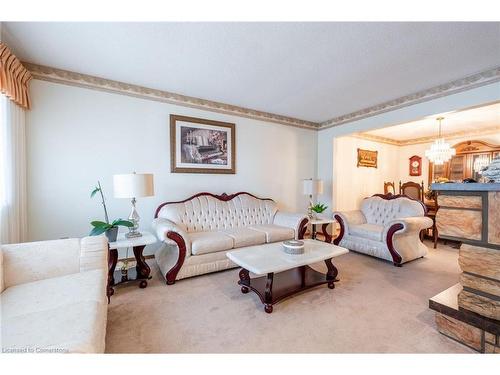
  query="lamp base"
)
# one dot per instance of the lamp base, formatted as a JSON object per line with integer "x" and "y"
{"x": 133, "y": 234}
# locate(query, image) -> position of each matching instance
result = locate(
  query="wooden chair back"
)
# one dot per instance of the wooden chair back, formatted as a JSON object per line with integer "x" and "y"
{"x": 389, "y": 188}
{"x": 412, "y": 189}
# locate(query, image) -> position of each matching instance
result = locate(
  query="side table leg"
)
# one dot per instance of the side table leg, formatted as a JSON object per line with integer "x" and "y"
{"x": 112, "y": 259}
{"x": 328, "y": 236}
{"x": 313, "y": 228}
{"x": 268, "y": 296}
{"x": 244, "y": 280}
{"x": 331, "y": 274}
{"x": 141, "y": 267}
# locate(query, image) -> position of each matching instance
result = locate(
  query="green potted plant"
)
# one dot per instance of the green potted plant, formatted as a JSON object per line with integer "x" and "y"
{"x": 100, "y": 227}
{"x": 319, "y": 208}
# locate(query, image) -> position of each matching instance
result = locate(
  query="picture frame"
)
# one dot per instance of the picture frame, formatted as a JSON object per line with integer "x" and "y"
{"x": 367, "y": 158}
{"x": 202, "y": 146}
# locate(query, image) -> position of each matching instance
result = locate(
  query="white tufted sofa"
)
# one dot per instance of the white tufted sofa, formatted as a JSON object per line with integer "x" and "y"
{"x": 199, "y": 231}
{"x": 386, "y": 226}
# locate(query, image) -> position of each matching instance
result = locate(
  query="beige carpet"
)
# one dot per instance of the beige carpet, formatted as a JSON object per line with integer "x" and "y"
{"x": 375, "y": 307}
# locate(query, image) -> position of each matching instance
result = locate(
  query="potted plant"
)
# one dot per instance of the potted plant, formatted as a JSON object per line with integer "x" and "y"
{"x": 100, "y": 227}
{"x": 319, "y": 208}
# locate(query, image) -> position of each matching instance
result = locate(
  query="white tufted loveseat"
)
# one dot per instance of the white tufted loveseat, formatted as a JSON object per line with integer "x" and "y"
{"x": 386, "y": 226}
{"x": 198, "y": 231}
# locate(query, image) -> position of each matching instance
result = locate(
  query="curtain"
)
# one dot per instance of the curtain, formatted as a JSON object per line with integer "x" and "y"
{"x": 13, "y": 191}
{"x": 14, "y": 78}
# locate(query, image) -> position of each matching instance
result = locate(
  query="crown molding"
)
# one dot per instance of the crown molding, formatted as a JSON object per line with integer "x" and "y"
{"x": 476, "y": 80}
{"x": 469, "y": 133}
{"x": 50, "y": 74}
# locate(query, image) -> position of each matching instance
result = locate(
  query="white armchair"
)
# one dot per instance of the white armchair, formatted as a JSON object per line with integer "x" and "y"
{"x": 386, "y": 226}
{"x": 53, "y": 295}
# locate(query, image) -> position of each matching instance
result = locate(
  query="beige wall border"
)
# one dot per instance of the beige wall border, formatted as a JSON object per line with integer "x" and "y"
{"x": 46, "y": 73}
{"x": 476, "y": 80}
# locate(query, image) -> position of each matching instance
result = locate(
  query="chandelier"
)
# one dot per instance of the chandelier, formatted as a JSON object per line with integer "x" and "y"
{"x": 440, "y": 151}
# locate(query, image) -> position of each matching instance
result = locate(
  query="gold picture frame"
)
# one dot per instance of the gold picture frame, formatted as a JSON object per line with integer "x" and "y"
{"x": 367, "y": 158}
{"x": 202, "y": 146}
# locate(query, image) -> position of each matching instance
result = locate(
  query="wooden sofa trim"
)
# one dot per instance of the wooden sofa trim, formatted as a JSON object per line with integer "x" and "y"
{"x": 223, "y": 197}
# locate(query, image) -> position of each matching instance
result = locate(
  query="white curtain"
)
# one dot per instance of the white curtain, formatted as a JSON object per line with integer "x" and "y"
{"x": 13, "y": 191}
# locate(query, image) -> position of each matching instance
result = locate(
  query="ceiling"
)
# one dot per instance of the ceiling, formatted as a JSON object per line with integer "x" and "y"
{"x": 309, "y": 71}
{"x": 485, "y": 119}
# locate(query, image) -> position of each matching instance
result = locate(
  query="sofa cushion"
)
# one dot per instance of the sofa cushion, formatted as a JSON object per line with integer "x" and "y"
{"x": 275, "y": 233}
{"x": 245, "y": 237}
{"x": 75, "y": 328}
{"x": 54, "y": 293}
{"x": 209, "y": 242}
{"x": 368, "y": 231}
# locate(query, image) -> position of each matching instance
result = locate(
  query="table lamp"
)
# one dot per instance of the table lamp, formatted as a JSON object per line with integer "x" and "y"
{"x": 134, "y": 185}
{"x": 312, "y": 187}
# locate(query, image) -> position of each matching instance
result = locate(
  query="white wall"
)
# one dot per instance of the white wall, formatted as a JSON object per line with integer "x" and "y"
{"x": 465, "y": 99}
{"x": 77, "y": 136}
{"x": 352, "y": 184}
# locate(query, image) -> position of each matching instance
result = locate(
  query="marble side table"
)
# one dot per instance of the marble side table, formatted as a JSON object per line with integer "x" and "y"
{"x": 324, "y": 224}
{"x": 141, "y": 271}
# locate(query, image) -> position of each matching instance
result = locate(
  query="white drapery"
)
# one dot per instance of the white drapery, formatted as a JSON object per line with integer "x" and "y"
{"x": 13, "y": 191}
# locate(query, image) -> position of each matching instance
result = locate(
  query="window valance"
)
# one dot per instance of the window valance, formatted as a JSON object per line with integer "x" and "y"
{"x": 14, "y": 78}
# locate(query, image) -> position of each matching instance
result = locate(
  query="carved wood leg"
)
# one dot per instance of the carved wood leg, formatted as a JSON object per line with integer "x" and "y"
{"x": 337, "y": 240}
{"x": 302, "y": 228}
{"x": 328, "y": 236}
{"x": 390, "y": 243}
{"x": 141, "y": 267}
{"x": 313, "y": 234}
{"x": 268, "y": 296}
{"x": 244, "y": 280}
{"x": 181, "y": 244}
{"x": 331, "y": 274}
{"x": 112, "y": 259}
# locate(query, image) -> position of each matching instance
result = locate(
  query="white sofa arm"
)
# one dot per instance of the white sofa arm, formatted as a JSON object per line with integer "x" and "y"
{"x": 162, "y": 226}
{"x": 291, "y": 220}
{"x": 93, "y": 253}
{"x": 410, "y": 225}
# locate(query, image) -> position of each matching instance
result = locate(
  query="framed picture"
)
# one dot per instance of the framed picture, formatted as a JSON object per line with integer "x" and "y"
{"x": 201, "y": 146}
{"x": 367, "y": 158}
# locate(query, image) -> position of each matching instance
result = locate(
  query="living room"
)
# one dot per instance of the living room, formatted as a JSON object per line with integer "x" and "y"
{"x": 160, "y": 196}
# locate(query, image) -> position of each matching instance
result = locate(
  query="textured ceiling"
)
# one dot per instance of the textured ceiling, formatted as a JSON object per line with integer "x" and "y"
{"x": 310, "y": 71}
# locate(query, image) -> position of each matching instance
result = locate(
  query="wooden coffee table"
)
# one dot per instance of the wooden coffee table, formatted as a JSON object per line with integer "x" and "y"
{"x": 286, "y": 274}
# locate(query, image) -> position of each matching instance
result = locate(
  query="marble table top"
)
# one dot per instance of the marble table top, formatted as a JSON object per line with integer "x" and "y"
{"x": 322, "y": 220}
{"x": 147, "y": 238}
{"x": 267, "y": 258}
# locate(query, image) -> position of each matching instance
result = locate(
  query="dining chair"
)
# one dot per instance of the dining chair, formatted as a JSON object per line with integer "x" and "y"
{"x": 389, "y": 188}
{"x": 412, "y": 189}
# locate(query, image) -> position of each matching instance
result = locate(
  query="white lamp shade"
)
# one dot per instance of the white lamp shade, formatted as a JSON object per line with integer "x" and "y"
{"x": 312, "y": 187}
{"x": 133, "y": 185}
